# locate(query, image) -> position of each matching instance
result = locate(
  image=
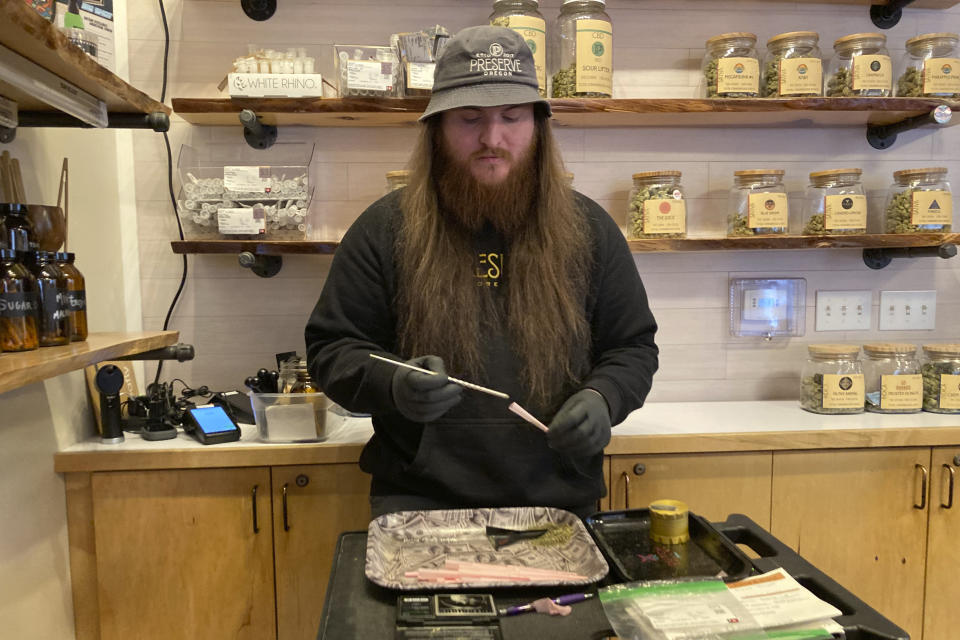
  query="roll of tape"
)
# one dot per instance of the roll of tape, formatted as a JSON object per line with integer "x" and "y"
{"x": 669, "y": 522}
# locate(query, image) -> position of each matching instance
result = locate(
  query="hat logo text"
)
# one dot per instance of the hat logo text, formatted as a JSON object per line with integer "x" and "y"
{"x": 495, "y": 62}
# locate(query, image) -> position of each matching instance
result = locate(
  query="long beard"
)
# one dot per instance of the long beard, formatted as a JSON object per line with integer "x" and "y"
{"x": 506, "y": 205}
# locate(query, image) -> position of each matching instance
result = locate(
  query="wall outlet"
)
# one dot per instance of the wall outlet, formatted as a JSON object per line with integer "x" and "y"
{"x": 907, "y": 310}
{"x": 844, "y": 310}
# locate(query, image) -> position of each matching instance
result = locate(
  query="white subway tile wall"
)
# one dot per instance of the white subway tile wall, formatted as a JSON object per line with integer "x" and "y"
{"x": 238, "y": 321}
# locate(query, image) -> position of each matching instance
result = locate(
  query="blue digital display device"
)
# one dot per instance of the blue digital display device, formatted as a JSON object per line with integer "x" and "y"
{"x": 212, "y": 425}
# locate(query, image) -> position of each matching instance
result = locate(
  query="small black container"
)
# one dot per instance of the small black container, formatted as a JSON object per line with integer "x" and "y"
{"x": 54, "y": 315}
{"x": 19, "y": 229}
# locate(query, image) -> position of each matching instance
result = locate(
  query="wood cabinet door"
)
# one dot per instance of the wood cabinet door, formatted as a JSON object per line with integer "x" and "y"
{"x": 941, "y": 615}
{"x": 178, "y": 556}
{"x": 312, "y": 506}
{"x": 713, "y": 485}
{"x": 852, "y": 513}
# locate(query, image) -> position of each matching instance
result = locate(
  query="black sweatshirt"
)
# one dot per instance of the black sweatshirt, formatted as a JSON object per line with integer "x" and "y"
{"x": 478, "y": 454}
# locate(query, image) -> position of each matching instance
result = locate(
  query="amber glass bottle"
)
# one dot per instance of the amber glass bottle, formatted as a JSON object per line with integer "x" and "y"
{"x": 76, "y": 296}
{"x": 54, "y": 318}
{"x": 18, "y": 304}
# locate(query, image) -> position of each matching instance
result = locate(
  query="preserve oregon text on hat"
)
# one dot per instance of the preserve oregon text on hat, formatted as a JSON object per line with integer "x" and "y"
{"x": 484, "y": 67}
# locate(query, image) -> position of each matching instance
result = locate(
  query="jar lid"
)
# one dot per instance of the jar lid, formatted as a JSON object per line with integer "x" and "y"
{"x": 932, "y": 36}
{"x": 833, "y": 349}
{"x": 936, "y": 350}
{"x": 834, "y": 172}
{"x": 398, "y": 174}
{"x": 887, "y": 348}
{"x": 736, "y": 35}
{"x": 903, "y": 173}
{"x": 760, "y": 172}
{"x": 794, "y": 35}
{"x": 855, "y": 38}
{"x": 667, "y": 173}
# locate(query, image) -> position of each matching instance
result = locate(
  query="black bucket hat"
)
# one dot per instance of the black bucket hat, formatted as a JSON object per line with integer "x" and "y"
{"x": 484, "y": 67}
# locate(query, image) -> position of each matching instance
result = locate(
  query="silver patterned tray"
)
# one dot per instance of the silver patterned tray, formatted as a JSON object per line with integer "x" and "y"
{"x": 406, "y": 541}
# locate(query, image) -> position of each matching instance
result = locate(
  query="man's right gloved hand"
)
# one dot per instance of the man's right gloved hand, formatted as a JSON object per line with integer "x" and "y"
{"x": 422, "y": 397}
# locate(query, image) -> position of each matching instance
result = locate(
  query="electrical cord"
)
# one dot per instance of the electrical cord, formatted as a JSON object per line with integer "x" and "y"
{"x": 173, "y": 198}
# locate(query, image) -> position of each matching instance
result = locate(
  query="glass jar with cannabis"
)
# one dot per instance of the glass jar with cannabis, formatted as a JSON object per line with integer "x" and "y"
{"x": 792, "y": 67}
{"x": 892, "y": 380}
{"x": 731, "y": 66}
{"x": 582, "y": 51}
{"x": 832, "y": 379}
{"x": 930, "y": 67}
{"x": 941, "y": 378}
{"x": 657, "y": 207}
{"x": 860, "y": 67}
{"x": 835, "y": 203}
{"x": 18, "y": 305}
{"x": 919, "y": 201}
{"x": 758, "y": 203}
{"x": 524, "y": 17}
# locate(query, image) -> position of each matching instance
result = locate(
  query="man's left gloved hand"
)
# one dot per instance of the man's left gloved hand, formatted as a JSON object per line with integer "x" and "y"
{"x": 582, "y": 425}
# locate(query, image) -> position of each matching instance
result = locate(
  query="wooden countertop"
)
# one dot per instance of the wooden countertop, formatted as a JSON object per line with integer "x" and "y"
{"x": 694, "y": 427}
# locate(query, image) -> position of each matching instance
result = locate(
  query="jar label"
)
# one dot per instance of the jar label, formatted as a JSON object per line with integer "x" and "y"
{"x": 941, "y": 75}
{"x": 842, "y": 391}
{"x": 243, "y": 220}
{"x": 767, "y": 210}
{"x": 949, "y": 391}
{"x": 420, "y": 75}
{"x": 76, "y": 301}
{"x": 872, "y": 72}
{"x": 370, "y": 75}
{"x": 534, "y": 31}
{"x": 594, "y": 57}
{"x": 664, "y": 215}
{"x": 18, "y": 305}
{"x": 845, "y": 212}
{"x": 801, "y": 76}
{"x": 901, "y": 391}
{"x": 931, "y": 207}
{"x": 738, "y": 75}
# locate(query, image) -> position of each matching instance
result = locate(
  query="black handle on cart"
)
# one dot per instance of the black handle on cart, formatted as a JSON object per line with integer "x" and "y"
{"x": 859, "y": 620}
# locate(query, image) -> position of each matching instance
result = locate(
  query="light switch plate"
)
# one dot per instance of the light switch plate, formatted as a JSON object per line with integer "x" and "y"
{"x": 907, "y": 310}
{"x": 844, "y": 310}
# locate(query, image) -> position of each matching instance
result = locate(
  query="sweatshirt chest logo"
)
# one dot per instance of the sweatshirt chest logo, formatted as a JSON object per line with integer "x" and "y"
{"x": 489, "y": 269}
{"x": 495, "y": 62}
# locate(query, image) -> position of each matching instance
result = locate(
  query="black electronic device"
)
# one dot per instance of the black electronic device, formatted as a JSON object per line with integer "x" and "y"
{"x": 211, "y": 425}
{"x": 109, "y": 381}
{"x": 237, "y": 405}
{"x": 447, "y": 616}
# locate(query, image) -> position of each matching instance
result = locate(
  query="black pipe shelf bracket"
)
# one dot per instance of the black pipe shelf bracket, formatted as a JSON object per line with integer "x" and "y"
{"x": 157, "y": 121}
{"x": 257, "y": 134}
{"x": 265, "y": 266}
{"x": 259, "y": 10}
{"x": 885, "y": 16}
{"x": 882, "y": 136}
{"x": 880, "y": 257}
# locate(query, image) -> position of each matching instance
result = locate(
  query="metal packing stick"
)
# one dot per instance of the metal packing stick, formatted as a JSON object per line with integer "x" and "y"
{"x": 514, "y": 407}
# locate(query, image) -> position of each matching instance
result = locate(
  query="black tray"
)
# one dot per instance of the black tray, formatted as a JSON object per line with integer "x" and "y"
{"x": 624, "y": 539}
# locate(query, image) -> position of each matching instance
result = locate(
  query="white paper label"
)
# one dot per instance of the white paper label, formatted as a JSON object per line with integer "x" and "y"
{"x": 246, "y": 179}
{"x": 370, "y": 75}
{"x": 420, "y": 75}
{"x": 245, "y": 220}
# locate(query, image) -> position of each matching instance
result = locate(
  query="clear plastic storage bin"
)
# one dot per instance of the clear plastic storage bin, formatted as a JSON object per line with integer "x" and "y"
{"x": 941, "y": 378}
{"x": 835, "y": 203}
{"x": 294, "y": 417}
{"x": 919, "y": 201}
{"x": 234, "y": 192}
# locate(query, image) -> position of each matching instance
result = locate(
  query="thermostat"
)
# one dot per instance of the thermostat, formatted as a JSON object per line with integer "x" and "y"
{"x": 767, "y": 307}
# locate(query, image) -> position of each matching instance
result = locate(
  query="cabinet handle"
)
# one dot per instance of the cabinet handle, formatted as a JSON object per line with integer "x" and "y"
{"x": 256, "y": 523}
{"x": 286, "y": 522}
{"x": 949, "y": 504}
{"x": 626, "y": 489}
{"x": 923, "y": 486}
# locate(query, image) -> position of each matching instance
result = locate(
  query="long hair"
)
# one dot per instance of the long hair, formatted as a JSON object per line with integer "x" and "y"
{"x": 443, "y": 311}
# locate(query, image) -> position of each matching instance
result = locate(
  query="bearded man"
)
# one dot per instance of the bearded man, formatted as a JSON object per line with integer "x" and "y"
{"x": 490, "y": 267}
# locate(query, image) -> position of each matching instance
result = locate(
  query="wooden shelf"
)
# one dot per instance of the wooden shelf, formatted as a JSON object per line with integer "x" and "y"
{"x": 20, "y": 369}
{"x": 614, "y": 112}
{"x": 28, "y": 34}
{"x": 646, "y": 245}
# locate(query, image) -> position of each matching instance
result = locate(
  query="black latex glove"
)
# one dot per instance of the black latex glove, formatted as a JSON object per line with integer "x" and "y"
{"x": 422, "y": 397}
{"x": 582, "y": 425}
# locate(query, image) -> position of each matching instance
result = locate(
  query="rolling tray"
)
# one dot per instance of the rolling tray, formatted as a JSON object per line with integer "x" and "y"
{"x": 355, "y": 607}
{"x": 624, "y": 538}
